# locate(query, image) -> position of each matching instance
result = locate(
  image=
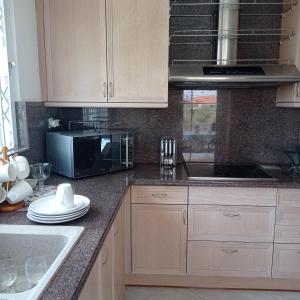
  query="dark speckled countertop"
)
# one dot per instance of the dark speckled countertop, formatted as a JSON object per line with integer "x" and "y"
{"x": 106, "y": 192}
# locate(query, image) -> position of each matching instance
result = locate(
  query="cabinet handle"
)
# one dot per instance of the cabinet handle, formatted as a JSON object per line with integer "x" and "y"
{"x": 106, "y": 255}
{"x": 161, "y": 195}
{"x": 184, "y": 217}
{"x": 110, "y": 85}
{"x": 117, "y": 227}
{"x": 230, "y": 251}
{"x": 104, "y": 90}
{"x": 230, "y": 215}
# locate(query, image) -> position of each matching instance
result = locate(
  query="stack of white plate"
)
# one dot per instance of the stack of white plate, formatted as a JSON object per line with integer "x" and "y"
{"x": 49, "y": 211}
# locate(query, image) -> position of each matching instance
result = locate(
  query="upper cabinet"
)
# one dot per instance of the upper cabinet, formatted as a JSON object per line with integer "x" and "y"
{"x": 289, "y": 95}
{"x": 75, "y": 46}
{"x": 109, "y": 53}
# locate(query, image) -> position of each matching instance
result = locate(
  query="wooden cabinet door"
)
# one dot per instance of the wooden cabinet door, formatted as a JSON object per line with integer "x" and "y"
{"x": 75, "y": 46}
{"x": 106, "y": 269}
{"x": 286, "y": 261}
{"x": 119, "y": 254}
{"x": 99, "y": 284}
{"x": 138, "y": 35}
{"x": 231, "y": 223}
{"x": 229, "y": 259}
{"x": 159, "y": 234}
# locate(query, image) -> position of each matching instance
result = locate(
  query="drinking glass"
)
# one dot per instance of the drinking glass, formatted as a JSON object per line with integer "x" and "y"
{"x": 40, "y": 172}
{"x": 35, "y": 268}
{"x": 8, "y": 272}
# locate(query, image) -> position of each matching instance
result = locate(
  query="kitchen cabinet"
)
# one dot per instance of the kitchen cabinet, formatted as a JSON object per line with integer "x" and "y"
{"x": 232, "y": 196}
{"x": 233, "y": 223}
{"x": 159, "y": 194}
{"x": 286, "y": 261}
{"x": 75, "y": 48}
{"x": 289, "y": 95}
{"x": 99, "y": 285}
{"x": 159, "y": 237}
{"x": 110, "y": 53}
{"x": 106, "y": 280}
{"x": 118, "y": 229}
{"x": 229, "y": 259}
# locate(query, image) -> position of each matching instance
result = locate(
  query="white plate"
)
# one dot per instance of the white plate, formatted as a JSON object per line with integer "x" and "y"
{"x": 30, "y": 217}
{"x": 48, "y": 206}
{"x": 59, "y": 217}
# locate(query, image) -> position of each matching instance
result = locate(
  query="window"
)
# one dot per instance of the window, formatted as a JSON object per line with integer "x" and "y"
{"x": 7, "y": 132}
{"x": 199, "y": 125}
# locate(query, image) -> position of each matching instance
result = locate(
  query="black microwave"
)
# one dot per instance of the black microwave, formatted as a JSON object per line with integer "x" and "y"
{"x": 78, "y": 154}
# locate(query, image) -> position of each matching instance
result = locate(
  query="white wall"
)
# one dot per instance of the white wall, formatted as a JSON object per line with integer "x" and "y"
{"x": 23, "y": 49}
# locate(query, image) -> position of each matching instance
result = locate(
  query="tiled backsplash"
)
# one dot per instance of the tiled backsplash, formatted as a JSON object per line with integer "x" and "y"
{"x": 248, "y": 126}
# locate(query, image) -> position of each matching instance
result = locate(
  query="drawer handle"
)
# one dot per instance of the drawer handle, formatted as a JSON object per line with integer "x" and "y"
{"x": 161, "y": 195}
{"x": 230, "y": 251}
{"x": 231, "y": 215}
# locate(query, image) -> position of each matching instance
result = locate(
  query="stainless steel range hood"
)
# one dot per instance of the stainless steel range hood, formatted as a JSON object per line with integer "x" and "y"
{"x": 232, "y": 75}
{"x": 227, "y": 70}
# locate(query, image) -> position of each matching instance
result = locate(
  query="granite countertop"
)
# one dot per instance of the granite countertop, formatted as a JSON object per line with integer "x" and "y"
{"x": 106, "y": 192}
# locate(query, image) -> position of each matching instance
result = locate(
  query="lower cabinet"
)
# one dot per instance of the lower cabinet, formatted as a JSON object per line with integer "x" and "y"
{"x": 286, "y": 262}
{"x": 159, "y": 237}
{"x": 229, "y": 259}
{"x": 106, "y": 280}
{"x": 99, "y": 285}
{"x": 118, "y": 230}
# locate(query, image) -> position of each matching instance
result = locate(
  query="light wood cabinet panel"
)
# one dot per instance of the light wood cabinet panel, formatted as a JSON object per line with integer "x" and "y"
{"x": 99, "y": 285}
{"x": 288, "y": 216}
{"x": 159, "y": 194}
{"x": 127, "y": 202}
{"x": 138, "y": 42}
{"x": 91, "y": 290}
{"x": 287, "y": 234}
{"x": 229, "y": 259}
{"x": 106, "y": 269}
{"x": 288, "y": 197}
{"x": 234, "y": 223}
{"x": 118, "y": 230}
{"x": 159, "y": 236}
{"x": 75, "y": 45}
{"x": 233, "y": 196}
{"x": 288, "y": 95}
{"x": 286, "y": 262}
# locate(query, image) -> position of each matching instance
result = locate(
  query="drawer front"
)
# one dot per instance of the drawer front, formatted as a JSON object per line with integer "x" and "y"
{"x": 288, "y": 216}
{"x": 159, "y": 194}
{"x": 234, "y": 223}
{"x": 288, "y": 197}
{"x": 287, "y": 234}
{"x": 233, "y": 196}
{"x": 229, "y": 259}
{"x": 286, "y": 262}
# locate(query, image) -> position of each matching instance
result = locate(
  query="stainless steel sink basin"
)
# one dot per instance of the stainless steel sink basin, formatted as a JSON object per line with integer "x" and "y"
{"x": 24, "y": 244}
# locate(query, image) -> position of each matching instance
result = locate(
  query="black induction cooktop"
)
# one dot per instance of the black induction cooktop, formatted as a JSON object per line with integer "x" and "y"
{"x": 208, "y": 171}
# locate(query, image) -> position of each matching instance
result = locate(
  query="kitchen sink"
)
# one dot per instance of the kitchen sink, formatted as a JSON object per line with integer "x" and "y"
{"x": 33, "y": 254}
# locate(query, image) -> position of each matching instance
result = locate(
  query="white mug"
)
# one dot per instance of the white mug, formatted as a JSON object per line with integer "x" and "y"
{"x": 19, "y": 191}
{"x": 22, "y": 166}
{"x": 8, "y": 172}
{"x": 65, "y": 195}
{"x": 2, "y": 194}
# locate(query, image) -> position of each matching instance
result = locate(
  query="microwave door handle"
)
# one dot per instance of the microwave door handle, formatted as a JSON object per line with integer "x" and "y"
{"x": 127, "y": 154}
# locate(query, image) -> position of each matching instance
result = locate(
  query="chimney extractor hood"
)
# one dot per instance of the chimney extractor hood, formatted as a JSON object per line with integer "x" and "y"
{"x": 189, "y": 75}
{"x": 228, "y": 71}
